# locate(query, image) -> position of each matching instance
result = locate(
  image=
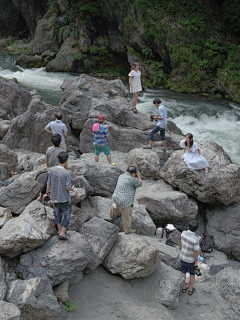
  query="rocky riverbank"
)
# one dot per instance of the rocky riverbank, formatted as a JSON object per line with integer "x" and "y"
{"x": 36, "y": 268}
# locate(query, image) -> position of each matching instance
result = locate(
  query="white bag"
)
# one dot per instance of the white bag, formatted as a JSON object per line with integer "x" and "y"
{"x": 205, "y": 272}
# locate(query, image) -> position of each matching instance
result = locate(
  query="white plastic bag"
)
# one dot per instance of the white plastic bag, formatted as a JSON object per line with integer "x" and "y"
{"x": 187, "y": 278}
{"x": 205, "y": 272}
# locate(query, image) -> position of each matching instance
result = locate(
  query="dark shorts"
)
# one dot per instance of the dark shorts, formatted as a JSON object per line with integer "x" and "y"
{"x": 186, "y": 267}
{"x": 104, "y": 149}
{"x": 62, "y": 213}
{"x": 155, "y": 130}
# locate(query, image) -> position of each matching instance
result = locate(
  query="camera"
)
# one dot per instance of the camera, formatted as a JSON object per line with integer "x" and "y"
{"x": 138, "y": 170}
{"x": 196, "y": 270}
{"x": 152, "y": 117}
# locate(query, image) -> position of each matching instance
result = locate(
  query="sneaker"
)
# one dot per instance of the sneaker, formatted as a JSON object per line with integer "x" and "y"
{"x": 133, "y": 231}
{"x": 147, "y": 147}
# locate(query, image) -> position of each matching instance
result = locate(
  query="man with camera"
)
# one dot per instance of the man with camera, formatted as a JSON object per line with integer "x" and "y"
{"x": 189, "y": 254}
{"x": 161, "y": 118}
{"x": 123, "y": 196}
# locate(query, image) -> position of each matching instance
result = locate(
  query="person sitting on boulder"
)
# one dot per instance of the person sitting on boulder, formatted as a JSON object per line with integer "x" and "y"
{"x": 192, "y": 154}
{"x": 59, "y": 185}
{"x": 59, "y": 127}
{"x": 161, "y": 118}
{"x": 100, "y": 132}
{"x": 123, "y": 197}
{"x": 189, "y": 254}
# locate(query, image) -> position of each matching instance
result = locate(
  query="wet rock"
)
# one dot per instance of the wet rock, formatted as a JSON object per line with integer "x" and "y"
{"x": 145, "y": 160}
{"x": 5, "y": 215}
{"x": 5, "y": 171}
{"x": 27, "y": 62}
{"x": 3, "y": 287}
{"x": 28, "y": 231}
{"x": 19, "y": 194}
{"x": 132, "y": 257}
{"x": 14, "y": 100}
{"x": 47, "y": 262}
{"x": 216, "y": 261}
{"x": 4, "y": 126}
{"x": 101, "y": 235}
{"x": 78, "y": 195}
{"x": 164, "y": 205}
{"x": 224, "y": 225}
{"x": 221, "y": 183}
{"x": 35, "y": 299}
{"x": 9, "y": 311}
{"x": 61, "y": 291}
{"x": 8, "y": 156}
{"x": 169, "y": 255}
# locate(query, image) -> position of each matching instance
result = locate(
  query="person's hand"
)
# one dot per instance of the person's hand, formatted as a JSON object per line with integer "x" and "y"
{"x": 155, "y": 117}
{"x": 45, "y": 195}
{"x": 195, "y": 264}
{"x": 138, "y": 174}
{"x": 181, "y": 156}
{"x": 72, "y": 188}
{"x": 131, "y": 89}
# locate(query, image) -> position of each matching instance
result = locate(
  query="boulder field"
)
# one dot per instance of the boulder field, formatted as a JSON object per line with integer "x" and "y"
{"x": 38, "y": 272}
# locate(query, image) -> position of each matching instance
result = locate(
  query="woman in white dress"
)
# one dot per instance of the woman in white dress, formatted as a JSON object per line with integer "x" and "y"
{"x": 135, "y": 84}
{"x": 192, "y": 154}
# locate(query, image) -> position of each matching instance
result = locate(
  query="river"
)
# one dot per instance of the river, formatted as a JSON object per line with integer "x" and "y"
{"x": 205, "y": 117}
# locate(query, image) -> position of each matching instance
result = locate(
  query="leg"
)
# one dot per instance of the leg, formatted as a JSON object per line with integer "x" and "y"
{"x": 109, "y": 158}
{"x": 59, "y": 228}
{"x": 163, "y": 137}
{"x": 106, "y": 151}
{"x": 97, "y": 153}
{"x": 184, "y": 270}
{"x": 135, "y": 97}
{"x": 114, "y": 211}
{"x": 96, "y": 158}
{"x": 58, "y": 217}
{"x": 66, "y": 211}
{"x": 191, "y": 282}
{"x": 127, "y": 218}
{"x": 152, "y": 133}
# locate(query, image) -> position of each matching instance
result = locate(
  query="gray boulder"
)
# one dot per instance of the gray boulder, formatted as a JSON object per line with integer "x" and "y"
{"x": 19, "y": 194}
{"x": 169, "y": 255}
{"x": 28, "y": 231}
{"x": 100, "y": 207}
{"x": 78, "y": 195}
{"x": 166, "y": 205}
{"x": 224, "y": 225}
{"x": 101, "y": 235}
{"x": 175, "y": 236}
{"x": 4, "y": 126}
{"x": 26, "y": 61}
{"x": 81, "y": 182}
{"x": 35, "y": 299}
{"x": 9, "y": 311}
{"x": 5, "y": 215}
{"x": 3, "y": 287}
{"x": 5, "y": 171}
{"x": 31, "y": 125}
{"x": 217, "y": 186}
{"x": 132, "y": 257}
{"x": 146, "y": 160}
{"x": 216, "y": 261}
{"x": 26, "y": 159}
{"x": 8, "y": 156}
{"x": 14, "y": 100}
{"x": 78, "y": 217}
{"x": 61, "y": 291}
{"x": 58, "y": 260}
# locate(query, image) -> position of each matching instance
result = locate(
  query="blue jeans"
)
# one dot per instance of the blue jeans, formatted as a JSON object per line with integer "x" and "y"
{"x": 155, "y": 130}
{"x": 187, "y": 267}
{"x": 62, "y": 213}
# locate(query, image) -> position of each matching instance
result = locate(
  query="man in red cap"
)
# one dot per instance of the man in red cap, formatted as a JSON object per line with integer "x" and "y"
{"x": 100, "y": 141}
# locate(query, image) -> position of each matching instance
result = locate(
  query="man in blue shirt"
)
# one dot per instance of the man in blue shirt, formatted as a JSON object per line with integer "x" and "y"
{"x": 58, "y": 127}
{"x": 161, "y": 118}
{"x": 100, "y": 140}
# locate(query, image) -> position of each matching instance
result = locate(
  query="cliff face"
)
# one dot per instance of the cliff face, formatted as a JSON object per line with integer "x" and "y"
{"x": 183, "y": 45}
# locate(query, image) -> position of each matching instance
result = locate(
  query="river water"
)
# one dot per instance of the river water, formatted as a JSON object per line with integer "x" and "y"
{"x": 205, "y": 117}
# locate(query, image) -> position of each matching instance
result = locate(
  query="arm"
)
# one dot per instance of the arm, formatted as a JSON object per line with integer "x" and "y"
{"x": 139, "y": 178}
{"x": 65, "y": 134}
{"x": 49, "y": 131}
{"x": 196, "y": 257}
{"x": 71, "y": 189}
{"x": 130, "y": 83}
{"x": 183, "y": 153}
{"x": 47, "y": 164}
{"x": 199, "y": 150}
{"x": 47, "y": 190}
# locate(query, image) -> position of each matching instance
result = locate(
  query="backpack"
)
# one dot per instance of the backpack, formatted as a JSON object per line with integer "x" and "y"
{"x": 207, "y": 243}
{"x": 95, "y": 127}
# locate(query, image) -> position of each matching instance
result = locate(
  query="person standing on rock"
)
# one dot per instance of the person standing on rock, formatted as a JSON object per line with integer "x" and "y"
{"x": 123, "y": 197}
{"x": 135, "y": 84}
{"x": 189, "y": 254}
{"x": 100, "y": 132}
{"x": 59, "y": 185}
{"x": 192, "y": 154}
{"x": 161, "y": 118}
{"x": 59, "y": 127}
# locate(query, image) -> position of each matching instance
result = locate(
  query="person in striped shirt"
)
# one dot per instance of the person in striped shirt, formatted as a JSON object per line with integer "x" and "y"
{"x": 189, "y": 254}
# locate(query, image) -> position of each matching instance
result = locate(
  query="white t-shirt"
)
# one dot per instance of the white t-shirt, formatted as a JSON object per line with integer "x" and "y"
{"x": 136, "y": 80}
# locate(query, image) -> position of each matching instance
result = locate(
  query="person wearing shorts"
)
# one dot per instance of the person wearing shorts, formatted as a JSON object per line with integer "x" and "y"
{"x": 100, "y": 140}
{"x": 189, "y": 254}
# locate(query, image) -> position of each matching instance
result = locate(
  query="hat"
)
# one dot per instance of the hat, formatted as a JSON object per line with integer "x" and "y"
{"x": 101, "y": 118}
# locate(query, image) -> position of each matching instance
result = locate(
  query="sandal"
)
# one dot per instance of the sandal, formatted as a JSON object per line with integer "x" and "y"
{"x": 190, "y": 293}
{"x": 64, "y": 238}
{"x": 184, "y": 290}
{"x": 134, "y": 110}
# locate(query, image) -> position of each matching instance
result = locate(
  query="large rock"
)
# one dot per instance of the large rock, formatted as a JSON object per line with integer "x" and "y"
{"x": 78, "y": 217}
{"x": 100, "y": 207}
{"x": 5, "y": 215}
{"x": 3, "y": 286}
{"x": 58, "y": 260}
{"x": 35, "y": 299}
{"x": 101, "y": 235}
{"x": 4, "y": 126}
{"x": 61, "y": 291}
{"x": 5, "y": 171}
{"x": 13, "y": 99}
{"x": 26, "y": 130}
{"x": 78, "y": 195}
{"x": 9, "y": 311}
{"x": 169, "y": 255}
{"x": 19, "y": 194}
{"x": 216, "y": 261}
{"x": 146, "y": 160}
{"x": 28, "y": 231}
{"x": 8, "y": 156}
{"x": 27, "y": 62}
{"x": 164, "y": 205}
{"x": 132, "y": 257}
{"x": 224, "y": 225}
{"x": 219, "y": 185}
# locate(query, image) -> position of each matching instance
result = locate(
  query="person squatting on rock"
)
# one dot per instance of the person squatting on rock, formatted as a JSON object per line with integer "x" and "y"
{"x": 135, "y": 84}
{"x": 192, "y": 154}
{"x": 59, "y": 185}
{"x": 100, "y": 139}
{"x": 123, "y": 197}
{"x": 161, "y": 118}
{"x": 189, "y": 254}
{"x": 59, "y": 127}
